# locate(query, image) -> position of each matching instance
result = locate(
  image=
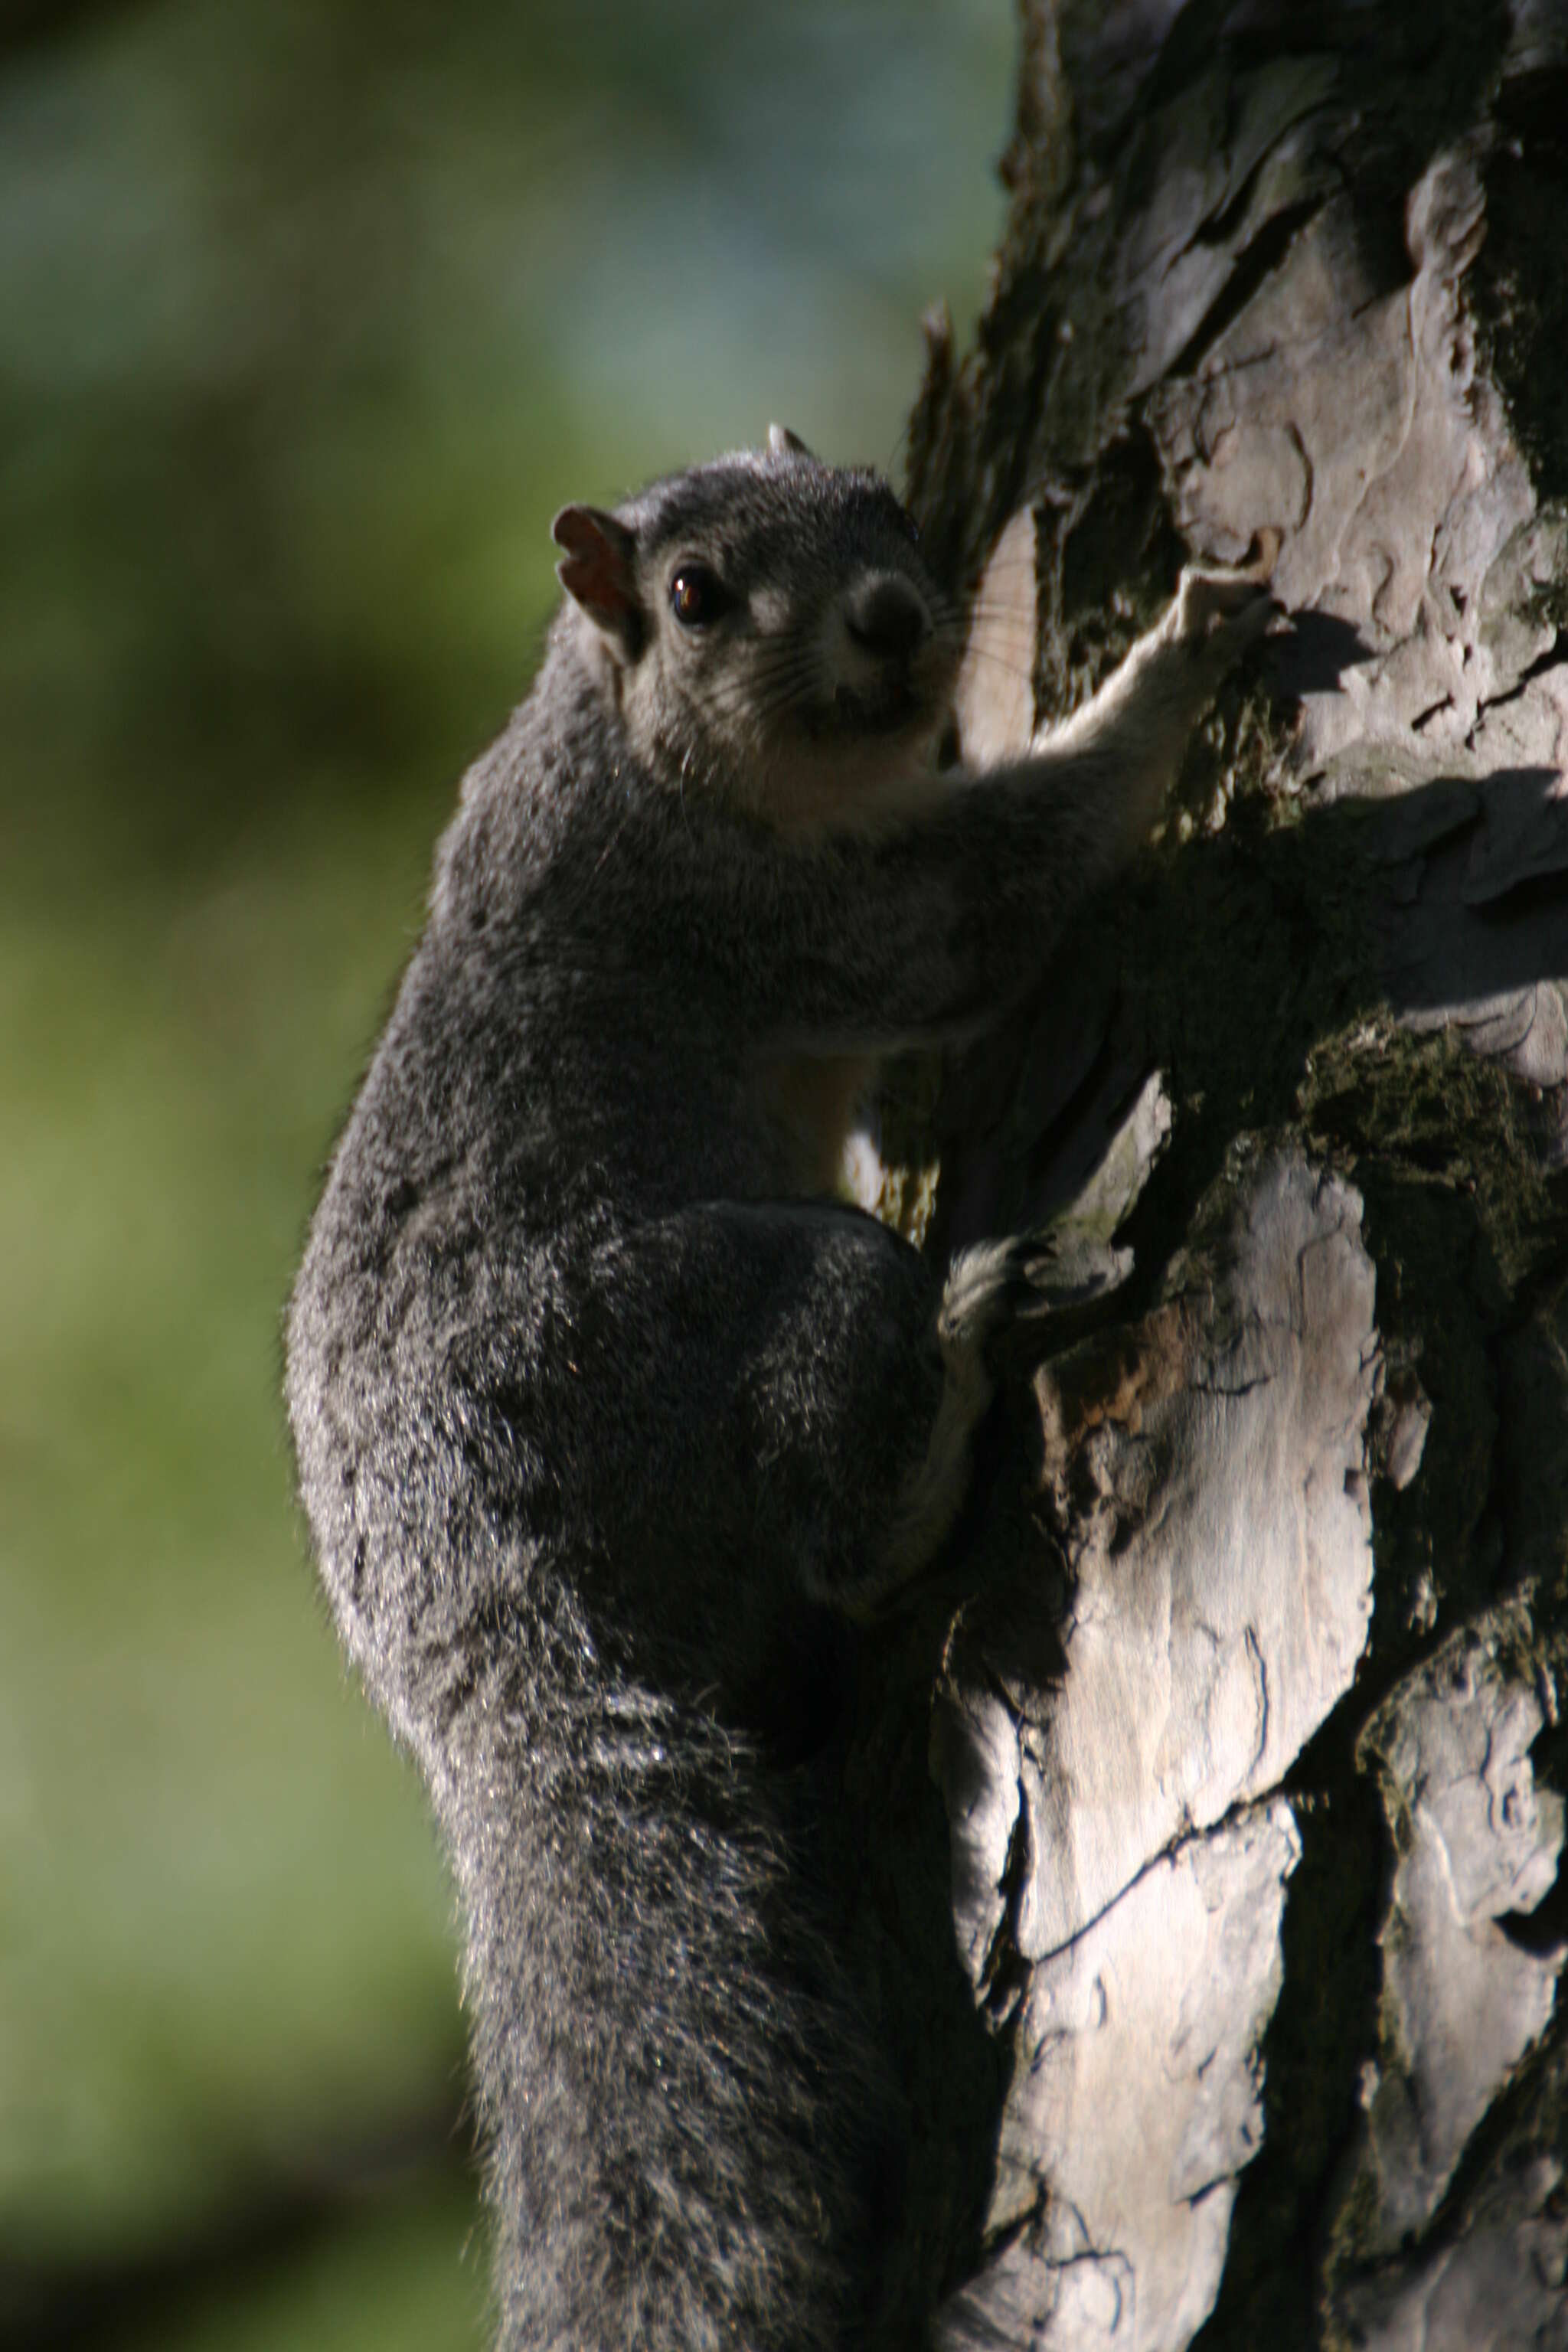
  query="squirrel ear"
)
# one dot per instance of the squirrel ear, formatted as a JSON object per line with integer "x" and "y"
{"x": 599, "y": 573}
{"x": 782, "y": 443}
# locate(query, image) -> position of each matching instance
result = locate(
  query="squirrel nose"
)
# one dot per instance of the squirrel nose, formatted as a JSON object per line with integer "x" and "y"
{"x": 886, "y": 615}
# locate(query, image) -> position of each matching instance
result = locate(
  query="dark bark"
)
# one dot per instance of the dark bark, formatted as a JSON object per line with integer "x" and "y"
{"x": 1242, "y": 1687}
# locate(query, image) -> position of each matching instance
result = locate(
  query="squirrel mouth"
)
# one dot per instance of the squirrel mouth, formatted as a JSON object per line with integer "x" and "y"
{"x": 891, "y": 707}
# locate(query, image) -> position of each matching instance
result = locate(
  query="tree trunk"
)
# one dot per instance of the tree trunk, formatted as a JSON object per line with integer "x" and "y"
{"x": 1242, "y": 1688}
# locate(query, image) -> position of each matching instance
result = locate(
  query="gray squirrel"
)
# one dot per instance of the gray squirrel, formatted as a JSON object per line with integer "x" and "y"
{"x": 606, "y": 1413}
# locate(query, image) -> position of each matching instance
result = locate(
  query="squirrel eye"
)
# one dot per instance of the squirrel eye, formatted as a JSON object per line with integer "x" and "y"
{"x": 695, "y": 597}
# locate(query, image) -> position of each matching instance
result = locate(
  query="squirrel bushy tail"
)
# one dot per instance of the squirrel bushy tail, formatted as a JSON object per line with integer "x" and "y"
{"x": 680, "y": 2147}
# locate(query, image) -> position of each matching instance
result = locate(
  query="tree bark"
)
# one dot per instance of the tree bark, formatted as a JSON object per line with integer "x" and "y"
{"x": 1242, "y": 1685}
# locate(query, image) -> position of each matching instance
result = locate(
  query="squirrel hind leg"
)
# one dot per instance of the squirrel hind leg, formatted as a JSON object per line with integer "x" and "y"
{"x": 984, "y": 1286}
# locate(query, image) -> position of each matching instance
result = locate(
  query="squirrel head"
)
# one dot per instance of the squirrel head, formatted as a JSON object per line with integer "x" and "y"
{"x": 769, "y": 633}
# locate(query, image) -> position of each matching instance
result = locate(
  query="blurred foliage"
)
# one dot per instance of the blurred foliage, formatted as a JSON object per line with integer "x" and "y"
{"x": 309, "y": 315}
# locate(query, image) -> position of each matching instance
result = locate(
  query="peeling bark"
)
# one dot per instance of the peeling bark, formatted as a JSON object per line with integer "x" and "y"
{"x": 1243, "y": 1687}
{"x": 1211, "y": 1505}
{"x": 1217, "y": 1541}
{"x": 1477, "y": 1844}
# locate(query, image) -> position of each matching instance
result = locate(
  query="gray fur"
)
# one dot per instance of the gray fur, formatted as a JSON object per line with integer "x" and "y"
{"x": 592, "y": 1415}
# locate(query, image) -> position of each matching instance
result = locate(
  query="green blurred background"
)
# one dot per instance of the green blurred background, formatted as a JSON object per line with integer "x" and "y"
{"x": 310, "y": 316}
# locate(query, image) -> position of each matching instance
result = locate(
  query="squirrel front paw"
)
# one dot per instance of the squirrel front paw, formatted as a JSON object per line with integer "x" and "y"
{"x": 1220, "y": 611}
{"x": 1219, "y": 615}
